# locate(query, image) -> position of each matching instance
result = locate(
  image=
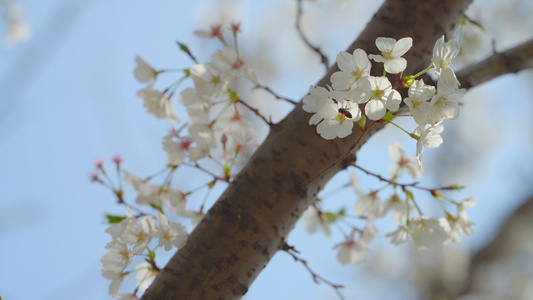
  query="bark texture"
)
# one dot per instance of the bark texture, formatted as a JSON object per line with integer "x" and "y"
{"x": 254, "y": 216}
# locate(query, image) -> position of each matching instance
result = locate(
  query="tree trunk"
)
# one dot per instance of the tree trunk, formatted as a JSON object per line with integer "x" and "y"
{"x": 252, "y": 219}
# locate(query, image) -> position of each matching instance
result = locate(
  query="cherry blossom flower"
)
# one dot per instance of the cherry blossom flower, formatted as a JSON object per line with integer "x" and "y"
{"x": 236, "y": 127}
{"x": 118, "y": 257}
{"x": 138, "y": 233}
{"x": 195, "y": 216}
{"x": 198, "y": 107}
{"x": 444, "y": 104}
{"x": 460, "y": 224}
{"x": 117, "y": 278}
{"x": 350, "y": 251}
{"x": 143, "y": 72}
{"x": 429, "y": 137}
{"x": 369, "y": 233}
{"x": 227, "y": 60}
{"x": 157, "y": 104}
{"x": 203, "y": 135}
{"x": 312, "y": 102}
{"x": 145, "y": 275}
{"x": 391, "y": 52}
{"x": 417, "y": 102}
{"x": 378, "y": 92}
{"x": 370, "y": 203}
{"x": 214, "y": 32}
{"x": 169, "y": 234}
{"x": 399, "y": 207}
{"x": 18, "y": 28}
{"x": 444, "y": 54}
{"x": 176, "y": 150}
{"x": 352, "y": 68}
{"x": 427, "y": 232}
{"x": 209, "y": 81}
{"x": 400, "y": 235}
{"x": 338, "y": 118}
{"x": 463, "y": 205}
{"x": 148, "y": 194}
{"x": 402, "y": 161}
{"x": 354, "y": 183}
{"x": 314, "y": 219}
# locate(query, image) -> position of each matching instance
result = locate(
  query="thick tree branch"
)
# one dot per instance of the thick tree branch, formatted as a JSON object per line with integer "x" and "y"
{"x": 252, "y": 219}
{"x": 510, "y": 61}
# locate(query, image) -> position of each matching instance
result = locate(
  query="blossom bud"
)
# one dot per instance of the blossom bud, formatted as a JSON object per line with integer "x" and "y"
{"x": 407, "y": 81}
{"x": 235, "y": 27}
{"x": 117, "y": 159}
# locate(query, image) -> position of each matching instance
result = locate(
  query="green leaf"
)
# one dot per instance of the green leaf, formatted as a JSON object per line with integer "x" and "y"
{"x": 112, "y": 220}
{"x": 342, "y": 212}
{"x": 409, "y": 195}
{"x": 184, "y": 48}
{"x": 153, "y": 205}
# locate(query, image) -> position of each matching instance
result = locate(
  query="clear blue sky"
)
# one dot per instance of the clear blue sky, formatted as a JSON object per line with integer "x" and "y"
{"x": 68, "y": 96}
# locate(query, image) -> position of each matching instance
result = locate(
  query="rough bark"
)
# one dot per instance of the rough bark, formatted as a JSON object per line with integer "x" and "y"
{"x": 254, "y": 216}
{"x": 510, "y": 61}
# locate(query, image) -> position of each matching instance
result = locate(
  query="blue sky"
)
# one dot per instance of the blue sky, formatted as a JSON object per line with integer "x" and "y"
{"x": 69, "y": 96}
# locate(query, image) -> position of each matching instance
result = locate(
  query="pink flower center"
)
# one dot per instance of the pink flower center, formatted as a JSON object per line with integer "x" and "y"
{"x": 215, "y": 30}
{"x": 185, "y": 144}
{"x": 237, "y": 64}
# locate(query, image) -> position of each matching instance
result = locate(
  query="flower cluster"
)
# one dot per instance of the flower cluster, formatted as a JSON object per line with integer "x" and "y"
{"x": 215, "y": 84}
{"x": 215, "y": 121}
{"x": 132, "y": 236}
{"x": 337, "y": 107}
{"x": 412, "y": 223}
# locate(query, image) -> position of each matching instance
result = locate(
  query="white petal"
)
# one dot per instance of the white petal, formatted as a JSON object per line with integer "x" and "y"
{"x": 385, "y": 44}
{"x": 396, "y": 65}
{"x": 402, "y": 46}
{"x": 375, "y": 110}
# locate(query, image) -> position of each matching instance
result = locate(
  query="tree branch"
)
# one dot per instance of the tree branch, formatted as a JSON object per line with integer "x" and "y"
{"x": 510, "y": 61}
{"x": 323, "y": 58}
{"x": 253, "y": 217}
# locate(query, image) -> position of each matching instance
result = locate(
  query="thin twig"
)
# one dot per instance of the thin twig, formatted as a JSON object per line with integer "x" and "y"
{"x": 367, "y": 128}
{"x": 256, "y": 112}
{"x": 197, "y": 166}
{"x": 323, "y": 58}
{"x": 404, "y": 185}
{"x": 267, "y": 89}
{"x": 316, "y": 278}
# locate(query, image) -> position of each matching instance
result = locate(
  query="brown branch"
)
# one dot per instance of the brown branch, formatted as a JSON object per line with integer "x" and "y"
{"x": 256, "y": 112}
{"x": 254, "y": 216}
{"x": 510, "y": 61}
{"x": 316, "y": 278}
{"x": 267, "y": 89}
{"x": 404, "y": 185}
{"x": 323, "y": 59}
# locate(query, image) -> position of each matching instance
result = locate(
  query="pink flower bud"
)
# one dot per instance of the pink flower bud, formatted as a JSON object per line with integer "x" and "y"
{"x": 117, "y": 159}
